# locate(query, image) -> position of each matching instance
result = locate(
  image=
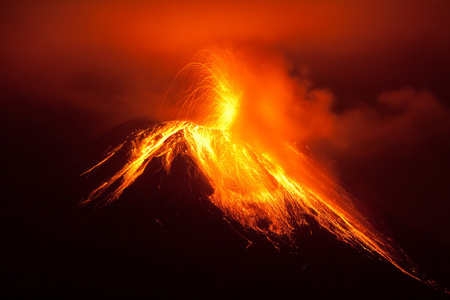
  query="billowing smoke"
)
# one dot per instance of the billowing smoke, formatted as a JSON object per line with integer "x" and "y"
{"x": 116, "y": 59}
{"x": 354, "y": 81}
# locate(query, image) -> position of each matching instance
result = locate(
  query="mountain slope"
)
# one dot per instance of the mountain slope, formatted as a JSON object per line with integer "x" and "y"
{"x": 164, "y": 238}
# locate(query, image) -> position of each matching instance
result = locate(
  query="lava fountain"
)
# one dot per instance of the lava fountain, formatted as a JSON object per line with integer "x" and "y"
{"x": 264, "y": 190}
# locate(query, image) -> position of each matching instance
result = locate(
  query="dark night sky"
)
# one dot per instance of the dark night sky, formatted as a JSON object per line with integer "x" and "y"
{"x": 73, "y": 70}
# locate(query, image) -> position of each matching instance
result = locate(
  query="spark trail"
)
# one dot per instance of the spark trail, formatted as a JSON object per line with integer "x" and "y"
{"x": 250, "y": 185}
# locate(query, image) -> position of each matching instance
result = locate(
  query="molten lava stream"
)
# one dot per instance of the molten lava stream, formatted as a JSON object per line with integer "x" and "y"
{"x": 251, "y": 184}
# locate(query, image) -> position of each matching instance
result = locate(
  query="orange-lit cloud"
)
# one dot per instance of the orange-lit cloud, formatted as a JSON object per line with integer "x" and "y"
{"x": 116, "y": 59}
{"x": 133, "y": 48}
{"x": 354, "y": 80}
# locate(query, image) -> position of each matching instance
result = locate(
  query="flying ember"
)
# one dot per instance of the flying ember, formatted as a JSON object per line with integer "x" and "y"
{"x": 268, "y": 191}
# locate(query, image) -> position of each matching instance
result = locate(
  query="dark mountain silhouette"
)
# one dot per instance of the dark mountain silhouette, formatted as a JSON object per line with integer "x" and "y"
{"x": 164, "y": 239}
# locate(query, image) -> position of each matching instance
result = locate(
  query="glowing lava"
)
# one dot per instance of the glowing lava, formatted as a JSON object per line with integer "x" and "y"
{"x": 250, "y": 186}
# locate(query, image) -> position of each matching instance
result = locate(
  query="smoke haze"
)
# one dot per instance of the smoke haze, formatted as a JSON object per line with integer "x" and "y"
{"x": 364, "y": 85}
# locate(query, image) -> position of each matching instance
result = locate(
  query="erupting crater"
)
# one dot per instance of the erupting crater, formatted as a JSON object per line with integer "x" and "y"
{"x": 251, "y": 184}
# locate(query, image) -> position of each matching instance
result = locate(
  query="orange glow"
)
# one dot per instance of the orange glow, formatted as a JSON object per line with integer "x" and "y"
{"x": 208, "y": 90}
{"x": 260, "y": 178}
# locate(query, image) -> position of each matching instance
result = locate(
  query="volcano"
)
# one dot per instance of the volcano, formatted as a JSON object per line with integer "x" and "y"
{"x": 267, "y": 184}
{"x": 208, "y": 204}
{"x": 304, "y": 154}
{"x": 164, "y": 238}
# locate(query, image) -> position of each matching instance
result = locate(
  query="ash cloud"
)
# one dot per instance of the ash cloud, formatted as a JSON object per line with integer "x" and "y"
{"x": 119, "y": 57}
{"x": 72, "y": 70}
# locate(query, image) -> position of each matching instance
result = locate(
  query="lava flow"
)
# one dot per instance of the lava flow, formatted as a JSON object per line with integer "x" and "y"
{"x": 252, "y": 185}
